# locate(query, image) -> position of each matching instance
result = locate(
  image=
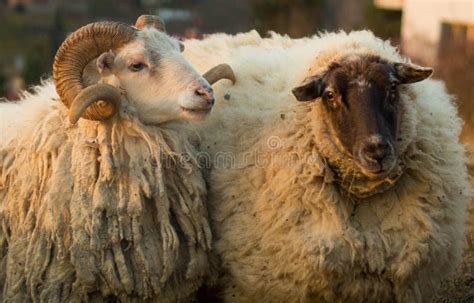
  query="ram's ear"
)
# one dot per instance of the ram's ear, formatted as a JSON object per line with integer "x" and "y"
{"x": 411, "y": 73}
{"x": 105, "y": 62}
{"x": 310, "y": 89}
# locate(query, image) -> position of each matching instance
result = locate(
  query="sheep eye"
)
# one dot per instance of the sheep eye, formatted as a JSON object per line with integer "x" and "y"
{"x": 329, "y": 95}
{"x": 393, "y": 87}
{"x": 393, "y": 91}
{"x": 137, "y": 67}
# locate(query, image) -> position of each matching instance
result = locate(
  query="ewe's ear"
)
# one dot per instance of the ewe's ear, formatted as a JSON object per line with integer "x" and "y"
{"x": 105, "y": 63}
{"x": 411, "y": 73}
{"x": 310, "y": 89}
{"x": 181, "y": 46}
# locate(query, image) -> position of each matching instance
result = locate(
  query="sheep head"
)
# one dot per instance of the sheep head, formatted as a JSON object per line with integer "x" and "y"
{"x": 361, "y": 100}
{"x": 140, "y": 64}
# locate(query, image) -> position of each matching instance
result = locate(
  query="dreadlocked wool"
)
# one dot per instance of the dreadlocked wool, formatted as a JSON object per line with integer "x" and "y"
{"x": 99, "y": 211}
{"x": 288, "y": 226}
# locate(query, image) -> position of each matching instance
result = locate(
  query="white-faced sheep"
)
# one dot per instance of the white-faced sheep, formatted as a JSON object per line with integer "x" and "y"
{"x": 113, "y": 206}
{"x": 356, "y": 196}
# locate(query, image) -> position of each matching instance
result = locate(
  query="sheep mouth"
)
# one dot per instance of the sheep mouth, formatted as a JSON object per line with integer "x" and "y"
{"x": 377, "y": 170}
{"x": 197, "y": 110}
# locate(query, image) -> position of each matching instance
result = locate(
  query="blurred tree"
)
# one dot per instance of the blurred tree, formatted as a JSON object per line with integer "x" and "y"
{"x": 35, "y": 64}
{"x": 20, "y": 8}
{"x": 57, "y": 31}
{"x": 306, "y": 17}
{"x": 103, "y": 8}
{"x": 2, "y": 84}
{"x": 297, "y": 18}
{"x": 385, "y": 24}
{"x": 137, "y": 4}
{"x": 343, "y": 14}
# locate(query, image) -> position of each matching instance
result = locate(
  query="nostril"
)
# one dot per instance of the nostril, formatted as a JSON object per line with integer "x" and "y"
{"x": 379, "y": 154}
{"x": 206, "y": 94}
{"x": 376, "y": 150}
{"x": 200, "y": 91}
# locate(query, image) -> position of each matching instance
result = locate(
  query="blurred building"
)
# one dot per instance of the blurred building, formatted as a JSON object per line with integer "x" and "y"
{"x": 429, "y": 26}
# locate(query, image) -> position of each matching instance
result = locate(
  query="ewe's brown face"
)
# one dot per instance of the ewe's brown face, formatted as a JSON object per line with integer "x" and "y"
{"x": 361, "y": 99}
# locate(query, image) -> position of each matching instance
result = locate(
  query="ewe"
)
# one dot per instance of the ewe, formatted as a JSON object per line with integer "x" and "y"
{"x": 357, "y": 195}
{"x": 113, "y": 206}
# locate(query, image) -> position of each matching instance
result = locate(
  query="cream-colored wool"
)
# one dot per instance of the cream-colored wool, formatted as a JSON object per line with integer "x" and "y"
{"x": 98, "y": 211}
{"x": 285, "y": 230}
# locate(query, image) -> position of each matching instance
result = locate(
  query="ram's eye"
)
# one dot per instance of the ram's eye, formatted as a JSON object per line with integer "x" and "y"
{"x": 136, "y": 67}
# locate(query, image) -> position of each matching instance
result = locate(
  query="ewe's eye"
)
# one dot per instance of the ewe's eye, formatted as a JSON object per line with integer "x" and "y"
{"x": 393, "y": 87}
{"x": 136, "y": 67}
{"x": 393, "y": 90}
{"x": 329, "y": 95}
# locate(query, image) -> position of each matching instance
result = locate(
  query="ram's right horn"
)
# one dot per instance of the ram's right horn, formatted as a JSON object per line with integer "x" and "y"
{"x": 150, "y": 20}
{"x": 221, "y": 71}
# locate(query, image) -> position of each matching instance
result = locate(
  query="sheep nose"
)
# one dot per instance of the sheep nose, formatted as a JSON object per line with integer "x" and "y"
{"x": 376, "y": 149}
{"x": 206, "y": 93}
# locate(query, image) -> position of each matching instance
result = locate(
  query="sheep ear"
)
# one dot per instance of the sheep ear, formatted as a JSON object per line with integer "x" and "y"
{"x": 310, "y": 89}
{"x": 411, "y": 73}
{"x": 105, "y": 63}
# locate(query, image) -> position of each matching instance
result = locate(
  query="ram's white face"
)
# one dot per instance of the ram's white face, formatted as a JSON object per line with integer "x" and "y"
{"x": 157, "y": 79}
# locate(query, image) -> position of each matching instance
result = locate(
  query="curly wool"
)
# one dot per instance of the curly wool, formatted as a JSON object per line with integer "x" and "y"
{"x": 285, "y": 230}
{"x": 101, "y": 210}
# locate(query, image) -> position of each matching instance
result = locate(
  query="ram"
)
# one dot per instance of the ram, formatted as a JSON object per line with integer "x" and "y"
{"x": 101, "y": 197}
{"x": 356, "y": 194}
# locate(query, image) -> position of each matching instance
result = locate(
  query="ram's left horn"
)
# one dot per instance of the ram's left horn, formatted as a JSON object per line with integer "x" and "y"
{"x": 74, "y": 54}
{"x": 104, "y": 96}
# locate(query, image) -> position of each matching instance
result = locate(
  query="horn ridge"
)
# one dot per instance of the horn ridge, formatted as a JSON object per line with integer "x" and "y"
{"x": 221, "y": 71}
{"x": 150, "y": 20}
{"x": 78, "y": 50}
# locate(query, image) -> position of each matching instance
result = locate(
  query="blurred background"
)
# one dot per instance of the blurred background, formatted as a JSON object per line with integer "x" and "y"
{"x": 437, "y": 33}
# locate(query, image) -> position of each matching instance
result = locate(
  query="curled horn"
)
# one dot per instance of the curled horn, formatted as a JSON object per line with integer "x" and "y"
{"x": 150, "y": 20}
{"x": 221, "y": 71}
{"x": 108, "y": 96}
{"x": 97, "y": 102}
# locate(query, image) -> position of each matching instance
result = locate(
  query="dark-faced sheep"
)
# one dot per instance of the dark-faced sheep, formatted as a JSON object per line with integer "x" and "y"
{"x": 357, "y": 194}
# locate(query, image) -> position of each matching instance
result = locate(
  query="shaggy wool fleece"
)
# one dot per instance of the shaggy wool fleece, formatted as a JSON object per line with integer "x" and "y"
{"x": 98, "y": 211}
{"x": 290, "y": 229}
